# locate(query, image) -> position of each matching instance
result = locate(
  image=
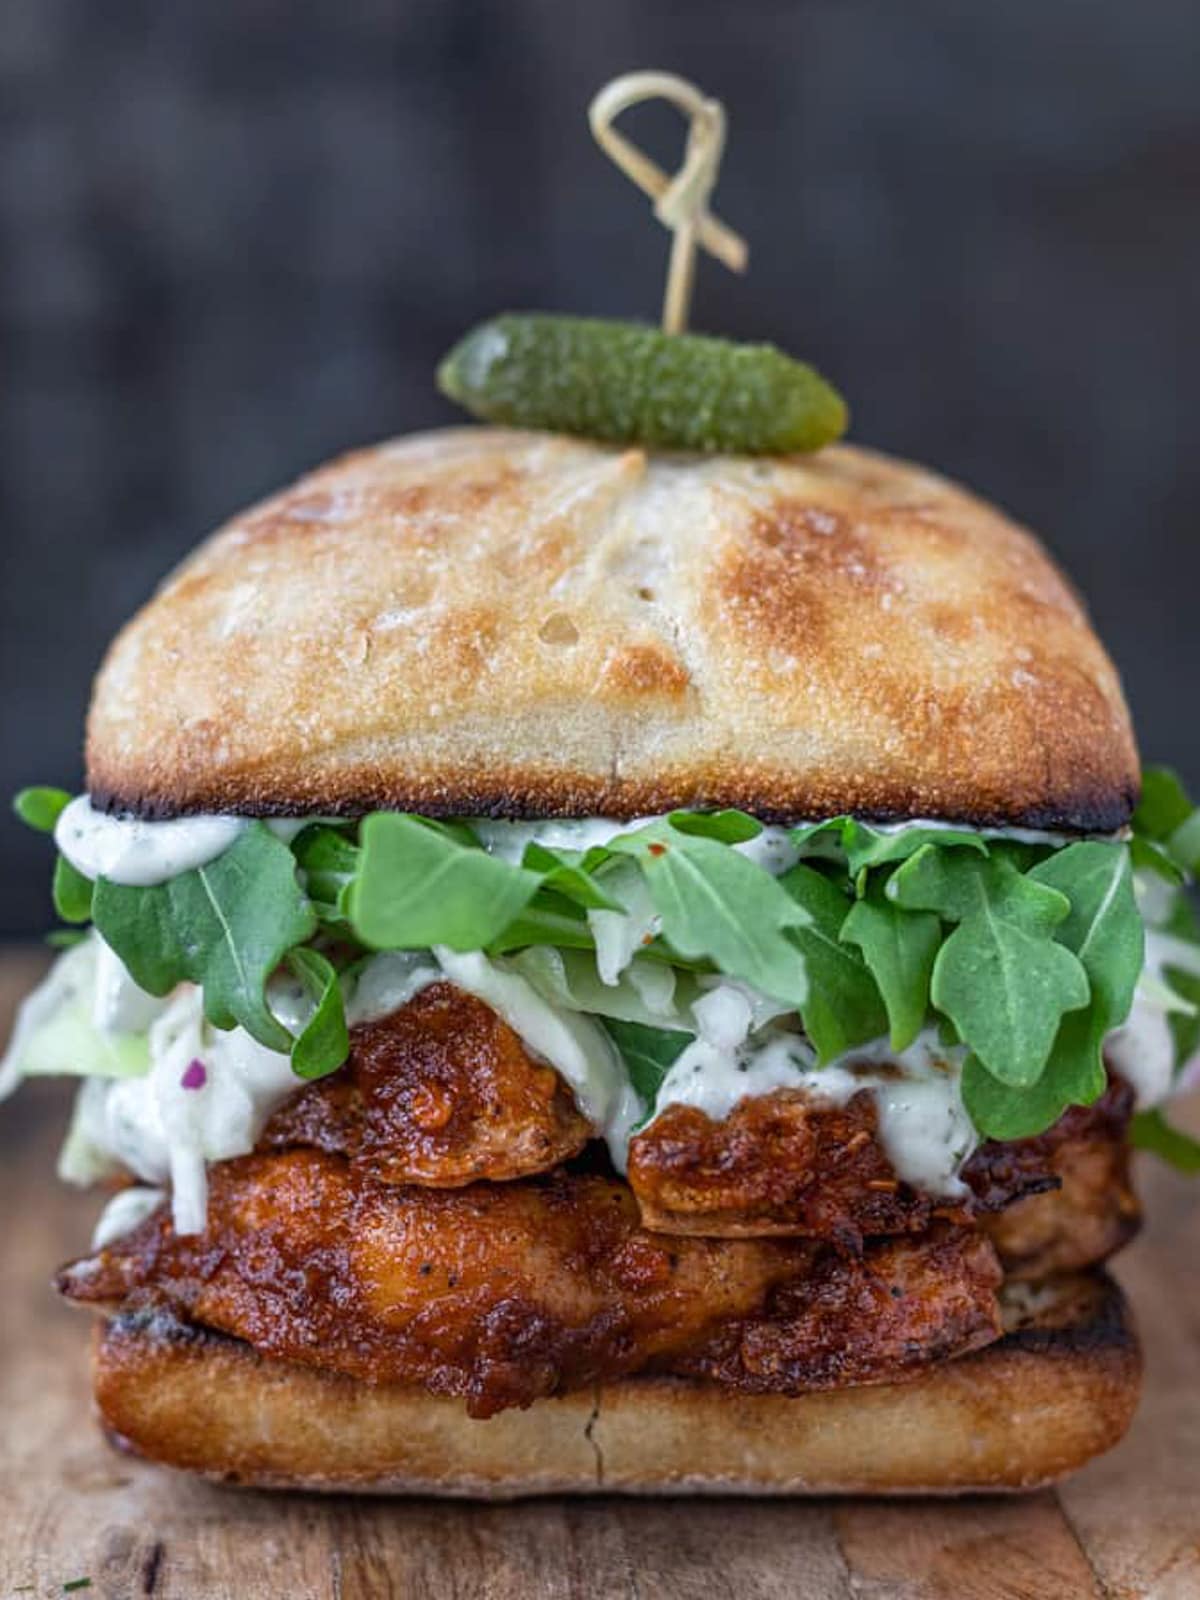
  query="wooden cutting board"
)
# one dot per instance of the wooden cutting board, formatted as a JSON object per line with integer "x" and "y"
{"x": 1128, "y": 1526}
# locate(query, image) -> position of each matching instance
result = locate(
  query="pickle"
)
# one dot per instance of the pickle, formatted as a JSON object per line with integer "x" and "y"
{"x": 630, "y": 384}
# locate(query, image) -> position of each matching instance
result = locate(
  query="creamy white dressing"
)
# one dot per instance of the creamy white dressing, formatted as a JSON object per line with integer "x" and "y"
{"x": 140, "y": 854}
{"x": 1142, "y": 1050}
{"x": 764, "y": 1008}
{"x": 923, "y": 1125}
{"x": 207, "y": 1097}
{"x": 118, "y": 1004}
{"x": 124, "y": 1212}
{"x": 389, "y": 981}
{"x": 509, "y": 840}
{"x": 619, "y": 935}
{"x": 772, "y": 850}
{"x": 1014, "y": 834}
{"x": 200, "y": 1094}
{"x": 129, "y": 850}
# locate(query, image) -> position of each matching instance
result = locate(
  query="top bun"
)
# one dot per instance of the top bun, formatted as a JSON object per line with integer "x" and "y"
{"x": 481, "y": 621}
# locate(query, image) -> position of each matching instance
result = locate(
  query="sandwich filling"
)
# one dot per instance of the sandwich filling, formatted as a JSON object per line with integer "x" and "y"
{"x": 658, "y": 1090}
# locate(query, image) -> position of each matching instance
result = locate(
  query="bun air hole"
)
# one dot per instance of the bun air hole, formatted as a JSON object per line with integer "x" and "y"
{"x": 558, "y": 629}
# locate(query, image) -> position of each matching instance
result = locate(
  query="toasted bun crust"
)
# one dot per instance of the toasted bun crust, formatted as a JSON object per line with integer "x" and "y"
{"x": 1056, "y": 1391}
{"x": 480, "y": 621}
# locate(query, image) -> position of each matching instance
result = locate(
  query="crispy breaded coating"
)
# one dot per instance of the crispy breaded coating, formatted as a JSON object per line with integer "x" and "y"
{"x": 900, "y": 1306}
{"x": 1093, "y": 1214}
{"x": 783, "y": 1164}
{"x": 502, "y": 1293}
{"x": 441, "y": 1092}
{"x": 780, "y": 1163}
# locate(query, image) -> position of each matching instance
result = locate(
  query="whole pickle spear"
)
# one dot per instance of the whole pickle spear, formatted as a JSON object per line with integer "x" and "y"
{"x": 628, "y": 383}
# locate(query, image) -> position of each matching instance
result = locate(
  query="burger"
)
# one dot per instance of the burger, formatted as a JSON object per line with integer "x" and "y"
{"x": 594, "y": 968}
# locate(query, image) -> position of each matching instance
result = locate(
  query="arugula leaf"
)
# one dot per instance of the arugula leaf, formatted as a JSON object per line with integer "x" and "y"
{"x": 549, "y": 919}
{"x": 869, "y": 847}
{"x": 843, "y": 1007}
{"x": 648, "y": 1054}
{"x": 715, "y": 903}
{"x": 1003, "y": 1111}
{"x": 1164, "y": 804}
{"x": 225, "y": 926}
{"x": 1184, "y": 845}
{"x": 72, "y": 892}
{"x": 1147, "y": 856}
{"x": 1000, "y": 977}
{"x": 453, "y": 828}
{"x": 566, "y": 871}
{"x": 727, "y": 827}
{"x": 947, "y": 1033}
{"x": 1184, "y": 1025}
{"x": 329, "y": 861}
{"x": 957, "y": 887}
{"x": 821, "y": 839}
{"x": 899, "y": 948}
{"x": 1150, "y": 1130}
{"x": 1180, "y": 919}
{"x": 864, "y": 846}
{"x": 1165, "y": 817}
{"x": 324, "y": 1042}
{"x": 418, "y": 886}
{"x": 1104, "y": 929}
{"x": 40, "y": 808}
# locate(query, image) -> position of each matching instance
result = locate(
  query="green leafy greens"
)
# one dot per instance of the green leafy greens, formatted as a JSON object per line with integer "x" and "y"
{"x": 899, "y": 948}
{"x": 225, "y": 926}
{"x": 419, "y": 885}
{"x": 649, "y": 1053}
{"x": 1150, "y": 1130}
{"x": 718, "y": 906}
{"x": 1025, "y": 954}
{"x": 1000, "y": 977}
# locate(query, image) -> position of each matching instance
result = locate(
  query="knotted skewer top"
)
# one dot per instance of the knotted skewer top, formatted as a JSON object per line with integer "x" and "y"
{"x": 681, "y": 202}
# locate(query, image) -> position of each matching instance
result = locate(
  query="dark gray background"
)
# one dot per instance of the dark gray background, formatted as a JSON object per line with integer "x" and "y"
{"x": 235, "y": 237}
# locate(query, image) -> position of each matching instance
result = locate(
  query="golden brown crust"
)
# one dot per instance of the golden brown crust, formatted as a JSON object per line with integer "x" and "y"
{"x": 1036, "y": 1405}
{"x": 481, "y": 621}
{"x": 441, "y": 1092}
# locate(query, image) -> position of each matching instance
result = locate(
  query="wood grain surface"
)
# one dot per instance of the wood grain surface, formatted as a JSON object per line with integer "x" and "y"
{"x": 70, "y": 1509}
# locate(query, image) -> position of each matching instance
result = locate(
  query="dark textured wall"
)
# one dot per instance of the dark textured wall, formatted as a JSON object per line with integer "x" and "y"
{"x": 235, "y": 235}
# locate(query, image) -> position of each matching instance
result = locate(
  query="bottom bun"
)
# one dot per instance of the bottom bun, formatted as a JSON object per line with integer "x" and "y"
{"x": 1058, "y": 1389}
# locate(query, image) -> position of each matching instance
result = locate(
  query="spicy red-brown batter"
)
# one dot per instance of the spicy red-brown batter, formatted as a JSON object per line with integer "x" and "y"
{"x": 502, "y": 1293}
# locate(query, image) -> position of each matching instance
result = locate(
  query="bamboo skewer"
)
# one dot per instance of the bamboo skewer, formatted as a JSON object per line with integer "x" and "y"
{"x": 681, "y": 201}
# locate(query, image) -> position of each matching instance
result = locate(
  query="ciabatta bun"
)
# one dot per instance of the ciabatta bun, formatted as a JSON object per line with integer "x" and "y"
{"x": 483, "y": 621}
{"x": 1058, "y": 1389}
